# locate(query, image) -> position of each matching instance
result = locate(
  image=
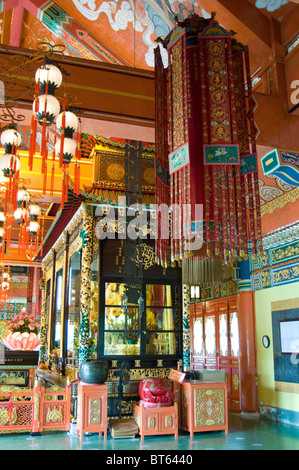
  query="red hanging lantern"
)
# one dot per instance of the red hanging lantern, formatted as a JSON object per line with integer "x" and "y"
{"x": 66, "y": 147}
{"x": 45, "y": 110}
{"x": 21, "y": 215}
{"x": 10, "y": 162}
{"x": 33, "y": 229}
{"x": 77, "y": 164}
{"x": 5, "y": 286}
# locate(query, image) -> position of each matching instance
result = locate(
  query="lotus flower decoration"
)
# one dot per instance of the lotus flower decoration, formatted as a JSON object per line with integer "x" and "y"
{"x": 24, "y": 341}
{"x": 22, "y": 332}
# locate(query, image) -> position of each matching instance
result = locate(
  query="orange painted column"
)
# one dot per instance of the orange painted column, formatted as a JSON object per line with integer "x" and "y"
{"x": 248, "y": 372}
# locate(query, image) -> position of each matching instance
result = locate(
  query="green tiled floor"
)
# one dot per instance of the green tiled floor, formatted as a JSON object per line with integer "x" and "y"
{"x": 244, "y": 434}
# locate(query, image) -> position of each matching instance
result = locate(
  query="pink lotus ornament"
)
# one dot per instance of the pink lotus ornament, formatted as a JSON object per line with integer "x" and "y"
{"x": 21, "y": 341}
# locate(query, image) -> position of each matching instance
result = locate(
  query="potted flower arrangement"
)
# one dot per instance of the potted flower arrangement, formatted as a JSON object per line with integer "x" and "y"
{"x": 54, "y": 358}
{"x": 22, "y": 332}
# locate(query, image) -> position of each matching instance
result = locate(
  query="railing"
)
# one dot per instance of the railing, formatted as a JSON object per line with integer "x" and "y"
{"x": 36, "y": 410}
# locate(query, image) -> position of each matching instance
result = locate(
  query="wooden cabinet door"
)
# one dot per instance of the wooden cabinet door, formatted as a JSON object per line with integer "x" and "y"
{"x": 210, "y": 340}
{"x": 168, "y": 421}
{"x": 95, "y": 406}
{"x": 196, "y": 337}
{"x": 222, "y": 341}
{"x": 152, "y": 422}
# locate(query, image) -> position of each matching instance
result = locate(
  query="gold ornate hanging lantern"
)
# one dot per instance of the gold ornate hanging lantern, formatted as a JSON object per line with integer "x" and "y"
{"x": 204, "y": 106}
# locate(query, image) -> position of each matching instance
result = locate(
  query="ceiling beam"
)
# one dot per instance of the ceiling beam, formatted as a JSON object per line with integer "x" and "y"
{"x": 33, "y": 6}
{"x": 9, "y": 4}
{"x": 102, "y": 91}
{"x": 251, "y": 17}
{"x": 17, "y": 26}
{"x": 289, "y": 26}
{"x": 245, "y": 13}
{"x": 278, "y": 128}
{"x": 277, "y": 70}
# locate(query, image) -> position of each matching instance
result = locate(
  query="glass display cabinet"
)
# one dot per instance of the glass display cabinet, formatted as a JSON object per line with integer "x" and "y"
{"x": 160, "y": 320}
{"x": 129, "y": 333}
{"x": 141, "y": 321}
{"x": 121, "y": 335}
{"x": 145, "y": 331}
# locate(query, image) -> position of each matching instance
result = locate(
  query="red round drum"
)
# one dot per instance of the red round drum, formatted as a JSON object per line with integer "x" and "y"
{"x": 156, "y": 391}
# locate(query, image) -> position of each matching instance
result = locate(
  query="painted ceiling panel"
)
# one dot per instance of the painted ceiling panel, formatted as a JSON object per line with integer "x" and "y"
{"x": 34, "y": 32}
{"x": 131, "y": 28}
{"x": 124, "y": 31}
{"x": 127, "y": 27}
{"x": 77, "y": 38}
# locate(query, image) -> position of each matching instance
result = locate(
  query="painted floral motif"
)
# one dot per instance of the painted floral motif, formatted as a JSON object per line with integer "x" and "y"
{"x": 266, "y": 279}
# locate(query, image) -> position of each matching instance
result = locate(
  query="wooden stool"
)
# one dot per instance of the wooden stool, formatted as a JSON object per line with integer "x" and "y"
{"x": 92, "y": 409}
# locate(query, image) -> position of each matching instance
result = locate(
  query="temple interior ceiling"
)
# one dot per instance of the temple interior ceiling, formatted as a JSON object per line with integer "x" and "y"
{"x": 124, "y": 33}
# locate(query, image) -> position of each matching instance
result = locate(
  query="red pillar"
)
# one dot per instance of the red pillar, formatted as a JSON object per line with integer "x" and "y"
{"x": 248, "y": 372}
{"x": 17, "y": 26}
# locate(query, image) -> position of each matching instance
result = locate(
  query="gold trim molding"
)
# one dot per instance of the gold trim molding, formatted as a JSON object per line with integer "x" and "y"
{"x": 286, "y": 387}
{"x": 75, "y": 221}
{"x": 280, "y": 202}
{"x": 284, "y": 304}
